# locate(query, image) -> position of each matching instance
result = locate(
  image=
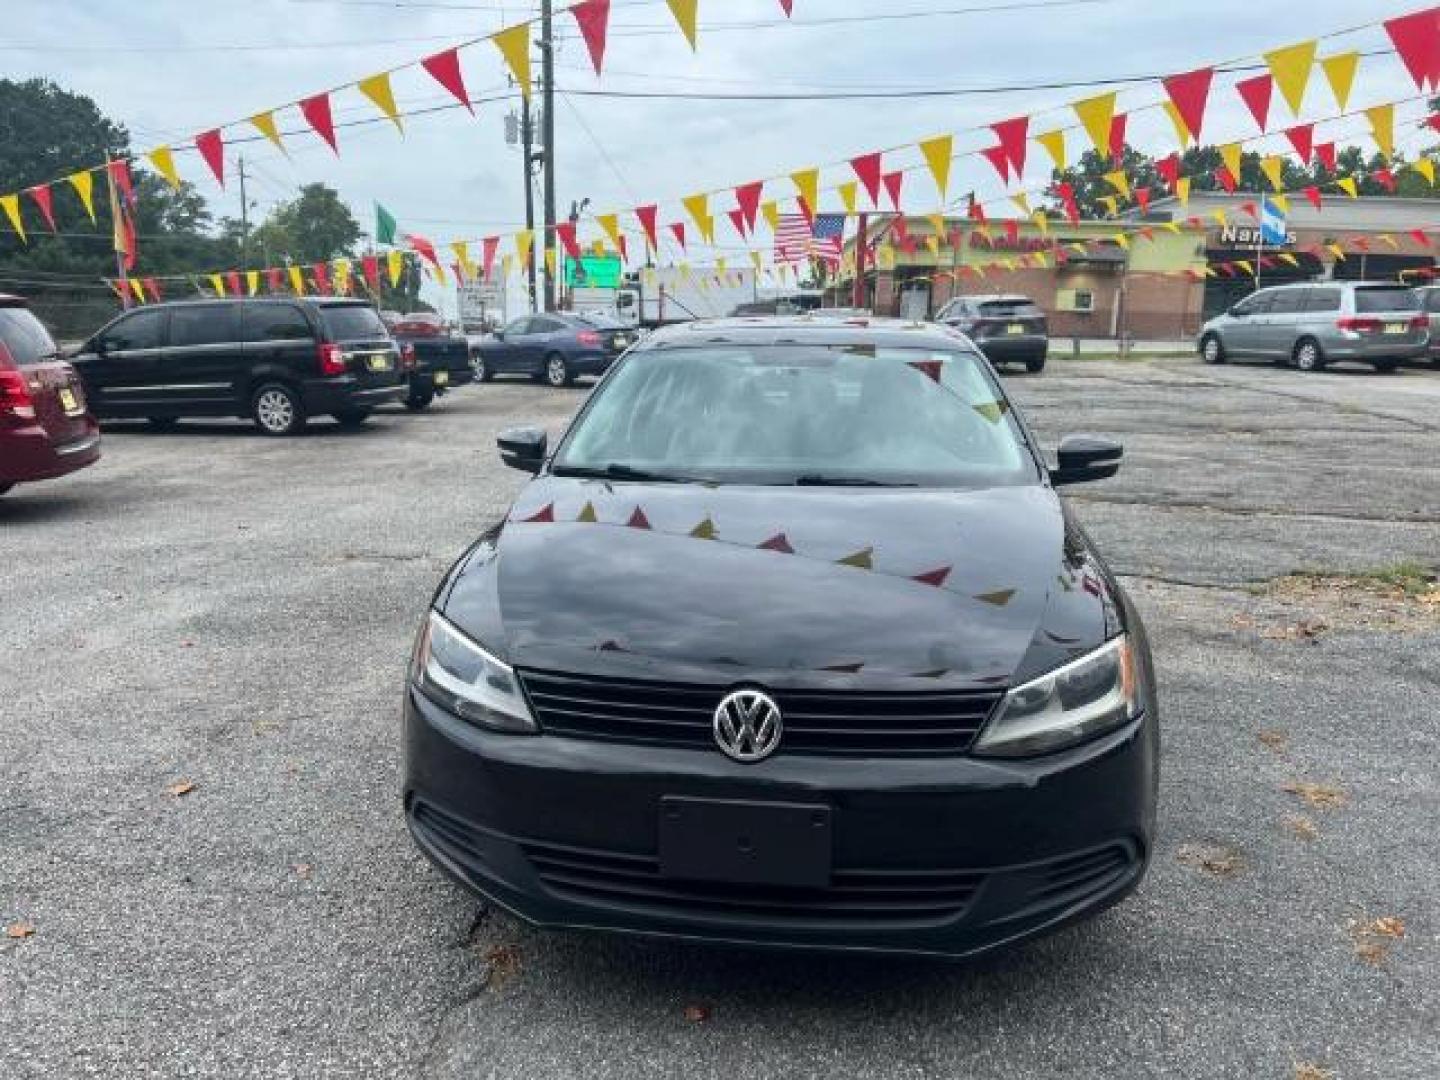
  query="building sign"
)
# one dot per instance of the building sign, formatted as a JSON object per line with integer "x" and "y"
{"x": 1244, "y": 236}
{"x": 593, "y": 272}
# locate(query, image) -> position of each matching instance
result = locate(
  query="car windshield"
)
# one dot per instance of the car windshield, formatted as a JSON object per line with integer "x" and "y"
{"x": 1383, "y": 298}
{"x": 801, "y": 414}
{"x": 349, "y": 322}
{"x": 1008, "y": 308}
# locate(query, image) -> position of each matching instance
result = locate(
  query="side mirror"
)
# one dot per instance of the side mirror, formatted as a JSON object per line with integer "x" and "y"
{"x": 1083, "y": 458}
{"x": 522, "y": 448}
{"x": 1235, "y": 312}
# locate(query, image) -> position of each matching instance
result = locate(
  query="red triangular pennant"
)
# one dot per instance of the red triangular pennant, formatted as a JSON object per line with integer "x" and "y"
{"x": 1014, "y": 137}
{"x": 545, "y": 514}
{"x": 779, "y": 543}
{"x": 488, "y": 247}
{"x": 232, "y": 278}
{"x": 933, "y": 577}
{"x": 152, "y": 287}
{"x": 322, "y": 276}
{"x": 594, "y": 19}
{"x": 737, "y": 220}
{"x": 646, "y": 217}
{"x": 565, "y": 233}
{"x": 120, "y": 173}
{"x": 747, "y": 196}
{"x": 1417, "y": 40}
{"x": 274, "y": 277}
{"x": 1256, "y": 94}
{"x": 1302, "y": 138}
{"x": 316, "y": 111}
{"x": 892, "y": 181}
{"x": 788, "y": 6}
{"x": 929, "y": 368}
{"x": 1066, "y": 191}
{"x": 212, "y": 149}
{"x": 1386, "y": 178}
{"x": 444, "y": 68}
{"x": 1226, "y": 179}
{"x": 424, "y": 248}
{"x": 678, "y": 230}
{"x": 1325, "y": 153}
{"x": 1251, "y": 209}
{"x": 1420, "y": 238}
{"x": 638, "y": 520}
{"x": 1313, "y": 194}
{"x": 1169, "y": 170}
{"x": 1012, "y": 232}
{"x": 867, "y": 168}
{"x": 370, "y": 270}
{"x": 1117, "y": 138}
{"x": 997, "y": 157}
{"x": 41, "y": 194}
{"x": 1190, "y": 93}
{"x": 1142, "y": 196}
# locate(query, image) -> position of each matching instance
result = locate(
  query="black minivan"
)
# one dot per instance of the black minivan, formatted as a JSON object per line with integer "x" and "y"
{"x": 278, "y": 361}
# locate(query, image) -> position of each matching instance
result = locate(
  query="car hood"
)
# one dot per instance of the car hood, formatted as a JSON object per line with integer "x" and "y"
{"x": 879, "y": 588}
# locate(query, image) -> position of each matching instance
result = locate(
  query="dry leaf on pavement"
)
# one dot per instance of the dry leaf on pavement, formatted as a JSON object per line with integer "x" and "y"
{"x": 504, "y": 962}
{"x": 22, "y": 929}
{"x": 1216, "y": 859}
{"x": 697, "y": 1014}
{"x": 1307, "y": 1070}
{"x": 181, "y": 787}
{"x": 1275, "y": 740}
{"x": 1372, "y": 937}
{"x": 1323, "y": 796}
{"x": 1302, "y": 827}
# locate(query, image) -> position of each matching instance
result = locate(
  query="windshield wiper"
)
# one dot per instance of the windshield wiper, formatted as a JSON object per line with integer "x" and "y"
{"x": 617, "y": 471}
{"x": 826, "y": 480}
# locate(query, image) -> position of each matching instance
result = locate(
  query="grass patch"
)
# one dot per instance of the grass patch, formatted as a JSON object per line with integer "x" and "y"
{"x": 1408, "y": 580}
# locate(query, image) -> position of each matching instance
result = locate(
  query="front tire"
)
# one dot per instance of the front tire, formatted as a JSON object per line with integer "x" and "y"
{"x": 420, "y": 402}
{"x": 277, "y": 410}
{"x": 1035, "y": 366}
{"x": 1385, "y": 367}
{"x": 351, "y": 418}
{"x": 482, "y": 369}
{"x": 1211, "y": 351}
{"x": 557, "y": 371}
{"x": 1307, "y": 355}
{"x": 163, "y": 423}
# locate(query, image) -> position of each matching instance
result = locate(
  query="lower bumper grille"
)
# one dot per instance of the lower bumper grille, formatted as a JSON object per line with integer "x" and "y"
{"x": 868, "y": 723}
{"x": 861, "y": 896}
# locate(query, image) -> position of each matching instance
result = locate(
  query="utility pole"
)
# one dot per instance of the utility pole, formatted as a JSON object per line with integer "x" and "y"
{"x": 527, "y": 141}
{"x": 244, "y": 216}
{"x": 547, "y": 120}
{"x": 858, "y": 291}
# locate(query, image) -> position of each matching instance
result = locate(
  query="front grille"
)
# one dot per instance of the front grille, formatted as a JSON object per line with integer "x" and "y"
{"x": 615, "y": 879}
{"x": 868, "y": 723}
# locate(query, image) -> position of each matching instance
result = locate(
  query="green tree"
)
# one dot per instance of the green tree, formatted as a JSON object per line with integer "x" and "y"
{"x": 315, "y": 226}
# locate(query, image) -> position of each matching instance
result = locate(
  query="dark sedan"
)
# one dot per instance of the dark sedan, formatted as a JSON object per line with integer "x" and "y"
{"x": 791, "y": 641}
{"x": 553, "y": 348}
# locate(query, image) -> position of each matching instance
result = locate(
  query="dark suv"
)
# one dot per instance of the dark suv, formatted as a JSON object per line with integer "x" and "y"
{"x": 1008, "y": 329}
{"x": 277, "y": 361}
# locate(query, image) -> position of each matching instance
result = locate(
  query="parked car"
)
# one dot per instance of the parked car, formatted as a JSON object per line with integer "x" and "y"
{"x": 441, "y": 360}
{"x": 46, "y": 430}
{"x": 1309, "y": 326}
{"x": 554, "y": 348}
{"x": 1008, "y": 329}
{"x": 791, "y": 640}
{"x": 1429, "y": 298}
{"x": 277, "y": 361}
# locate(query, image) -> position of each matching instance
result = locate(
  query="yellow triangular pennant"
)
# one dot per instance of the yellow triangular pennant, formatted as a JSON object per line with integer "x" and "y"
{"x": 587, "y": 513}
{"x": 1182, "y": 190}
{"x": 705, "y": 530}
{"x": 514, "y": 46}
{"x": 1119, "y": 181}
{"x": 1290, "y": 67}
{"x": 698, "y": 207}
{"x": 938, "y": 152}
{"x": 1097, "y": 114}
{"x": 771, "y": 210}
{"x": 1347, "y": 184}
{"x": 1274, "y": 169}
{"x": 1042, "y": 222}
{"x": 1288, "y": 259}
{"x": 252, "y": 281}
{"x": 84, "y": 185}
{"x": 1023, "y": 202}
{"x": 11, "y": 205}
{"x": 1111, "y": 204}
{"x": 1182, "y": 130}
{"x": 1054, "y": 144}
{"x": 264, "y": 122}
{"x": 1282, "y": 201}
{"x": 1121, "y": 239}
{"x": 807, "y": 182}
{"x": 1230, "y": 155}
{"x": 394, "y": 265}
{"x": 462, "y": 256}
{"x": 1340, "y": 74}
{"x": 1426, "y": 168}
{"x": 550, "y": 261}
{"x": 610, "y": 223}
{"x": 297, "y": 281}
{"x": 524, "y": 246}
{"x": 377, "y": 89}
{"x": 685, "y": 12}
{"x": 864, "y": 559}
{"x": 164, "y": 161}
{"x": 1382, "y": 127}
{"x": 217, "y": 284}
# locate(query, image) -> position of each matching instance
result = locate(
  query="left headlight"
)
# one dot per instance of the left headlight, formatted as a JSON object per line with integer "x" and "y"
{"x": 1086, "y": 697}
{"x": 459, "y": 675}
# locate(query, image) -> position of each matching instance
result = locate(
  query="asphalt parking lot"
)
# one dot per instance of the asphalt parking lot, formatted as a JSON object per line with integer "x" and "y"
{"x": 202, "y": 644}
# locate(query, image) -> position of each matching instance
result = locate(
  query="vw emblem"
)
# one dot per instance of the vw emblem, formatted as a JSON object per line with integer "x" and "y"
{"x": 747, "y": 725}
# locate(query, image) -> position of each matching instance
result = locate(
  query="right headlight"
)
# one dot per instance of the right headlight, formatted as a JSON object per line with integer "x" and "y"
{"x": 457, "y": 674}
{"x": 1082, "y": 699}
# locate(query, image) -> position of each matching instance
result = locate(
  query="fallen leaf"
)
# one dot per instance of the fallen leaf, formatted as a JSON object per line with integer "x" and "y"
{"x": 1372, "y": 952}
{"x": 1304, "y": 630}
{"x": 1302, "y": 827}
{"x": 1241, "y": 621}
{"x": 1306, "y": 1070}
{"x": 21, "y": 929}
{"x": 1323, "y": 796}
{"x": 504, "y": 962}
{"x": 697, "y": 1014}
{"x": 302, "y": 870}
{"x": 1372, "y": 937}
{"x": 1388, "y": 926}
{"x": 1216, "y": 859}
{"x": 181, "y": 787}
{"x": 1275, "y": 740}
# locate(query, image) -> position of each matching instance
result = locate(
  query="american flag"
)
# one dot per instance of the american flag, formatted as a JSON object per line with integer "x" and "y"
{"x": 797, "y": 239}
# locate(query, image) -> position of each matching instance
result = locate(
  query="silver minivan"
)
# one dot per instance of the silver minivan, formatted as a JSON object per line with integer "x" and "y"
{"x": 1376, "y": 323}
{"x": 1430, "y": 304}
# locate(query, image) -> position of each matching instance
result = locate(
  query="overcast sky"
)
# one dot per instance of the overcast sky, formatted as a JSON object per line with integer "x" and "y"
{"x": 169, "y": 68}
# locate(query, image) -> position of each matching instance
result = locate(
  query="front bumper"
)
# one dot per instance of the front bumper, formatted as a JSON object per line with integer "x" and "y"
{"x": 27, "y": 454}
{"x": 944, "y": 856}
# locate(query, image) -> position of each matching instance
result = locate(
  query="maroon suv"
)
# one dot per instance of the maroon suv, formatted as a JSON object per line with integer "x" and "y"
{"x": 46, "y": 430}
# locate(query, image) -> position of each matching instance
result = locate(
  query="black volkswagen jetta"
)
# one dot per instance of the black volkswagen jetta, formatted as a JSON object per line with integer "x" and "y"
{"x": 790, "y": 642}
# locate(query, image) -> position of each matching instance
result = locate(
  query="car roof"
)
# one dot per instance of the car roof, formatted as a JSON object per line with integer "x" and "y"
{"x": 806, "y": 330}
{"x": 322, "y": 301}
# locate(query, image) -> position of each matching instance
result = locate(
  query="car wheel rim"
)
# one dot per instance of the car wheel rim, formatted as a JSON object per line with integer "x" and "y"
{"x": 1307, "y": 358}
{"x": 557, "y": 372}
{"x": 480, "y": 369}
{"x": 275, "y": 411}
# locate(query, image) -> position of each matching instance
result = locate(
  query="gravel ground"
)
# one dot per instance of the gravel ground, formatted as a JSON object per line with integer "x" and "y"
{"x": 210, "y": 608}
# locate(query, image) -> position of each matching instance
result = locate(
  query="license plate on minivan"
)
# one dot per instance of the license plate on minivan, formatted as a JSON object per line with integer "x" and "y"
{"x": 1015, "y": 328}
{"x": 379, "y": 362}
{"x": 442, "y": 378}
{"x": 1396, "y": 327}
{"x": 70, "y": 402}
